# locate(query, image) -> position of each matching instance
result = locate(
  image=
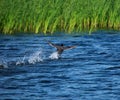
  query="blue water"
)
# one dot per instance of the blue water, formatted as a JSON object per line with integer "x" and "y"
{"x": 89, "y": 72}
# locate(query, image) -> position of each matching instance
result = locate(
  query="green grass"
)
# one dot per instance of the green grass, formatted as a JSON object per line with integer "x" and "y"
{"x": 49, "y": 16}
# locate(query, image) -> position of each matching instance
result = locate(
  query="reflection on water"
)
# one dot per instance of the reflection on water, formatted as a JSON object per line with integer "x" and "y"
{"x": 89, "y": 72}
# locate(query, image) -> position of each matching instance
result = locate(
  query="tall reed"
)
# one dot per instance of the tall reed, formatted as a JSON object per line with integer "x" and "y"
{"x": 49, "y": 16}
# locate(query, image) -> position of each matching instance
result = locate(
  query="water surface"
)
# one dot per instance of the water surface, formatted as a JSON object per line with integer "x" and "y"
{"x": 89, "y": 72}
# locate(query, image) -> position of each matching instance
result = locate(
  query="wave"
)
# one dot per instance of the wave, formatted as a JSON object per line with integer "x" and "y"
{"x": 113, "y": 68}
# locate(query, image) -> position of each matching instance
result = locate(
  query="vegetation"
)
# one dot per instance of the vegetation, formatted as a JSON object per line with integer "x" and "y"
{"x": 48, "y": 16}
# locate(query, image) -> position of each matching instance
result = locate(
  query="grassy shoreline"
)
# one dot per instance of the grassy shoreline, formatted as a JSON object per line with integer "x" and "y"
{"x": 49, "y": 16}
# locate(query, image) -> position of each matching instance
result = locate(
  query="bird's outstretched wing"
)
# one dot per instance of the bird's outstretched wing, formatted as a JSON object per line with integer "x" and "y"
{"x": 51, "y": 44}
{"x": 69, "y": 47}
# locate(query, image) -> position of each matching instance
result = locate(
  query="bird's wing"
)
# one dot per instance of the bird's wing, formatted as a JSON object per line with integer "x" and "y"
{"x": 69, "y": 47}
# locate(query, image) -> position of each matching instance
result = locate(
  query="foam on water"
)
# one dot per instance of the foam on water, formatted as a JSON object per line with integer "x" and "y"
{"x": 54, "y": 55}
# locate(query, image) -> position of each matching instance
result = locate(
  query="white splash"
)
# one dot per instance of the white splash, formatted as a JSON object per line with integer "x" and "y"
{"x": 21, "y": 61}
{"x": 3, "y": 63}
{"x": 32, "y": 59}
{"x": 54, "y": 55}
{"x": 35, "y": 57}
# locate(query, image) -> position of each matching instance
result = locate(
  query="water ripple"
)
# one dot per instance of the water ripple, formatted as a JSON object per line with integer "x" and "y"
{"x": 89, "y": 72}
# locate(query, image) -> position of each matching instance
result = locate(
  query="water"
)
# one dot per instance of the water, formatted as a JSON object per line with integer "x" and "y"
{"x": 89, "y": 72}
